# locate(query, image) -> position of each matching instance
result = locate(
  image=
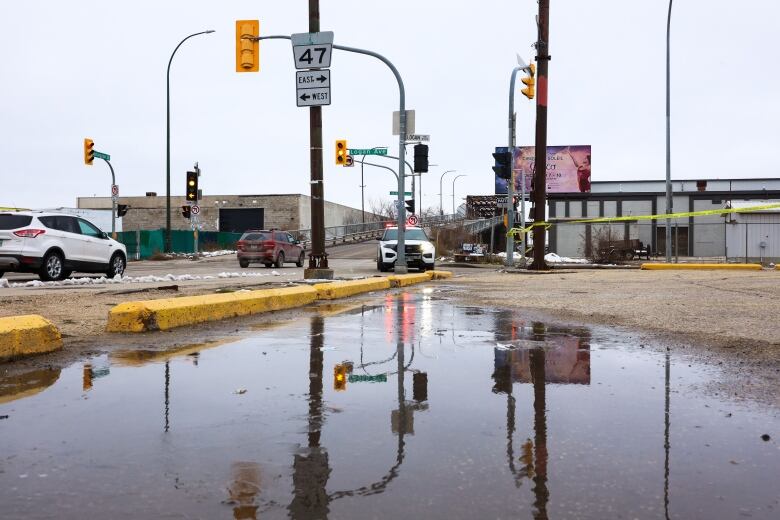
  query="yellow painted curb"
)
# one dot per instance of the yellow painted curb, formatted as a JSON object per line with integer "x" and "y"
{"x": 334, "y": 290}
{"x": 169, "y": 313}
{"x": 27, "y": 335}
{"x": 440, "y": 275}
{"x": 403, "y": 280}
{"x": 729, "y": 267}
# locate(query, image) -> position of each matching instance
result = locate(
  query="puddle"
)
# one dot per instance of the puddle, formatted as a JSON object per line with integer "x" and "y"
{"x": 405, "y": 406}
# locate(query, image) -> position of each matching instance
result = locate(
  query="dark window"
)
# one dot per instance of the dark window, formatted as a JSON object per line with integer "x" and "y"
{"x": 280, "y": 237}
{"x": 255, "y": 236}
{"x": 14, "y": 221}
{"x": 49, "y": 222}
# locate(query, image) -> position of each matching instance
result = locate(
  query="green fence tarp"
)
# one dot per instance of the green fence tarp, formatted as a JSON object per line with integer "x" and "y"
{"x": 146, "y": 243}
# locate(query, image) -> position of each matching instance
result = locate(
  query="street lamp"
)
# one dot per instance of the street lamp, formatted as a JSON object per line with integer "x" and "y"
{"x": 168, "y": 144}
{"x": 453, "y": 190}
{"x": 668, "y": 152}
{"x": 441, "y": 205}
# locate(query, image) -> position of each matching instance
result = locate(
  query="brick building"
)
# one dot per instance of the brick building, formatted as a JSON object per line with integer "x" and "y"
{"x": 232, "y": 213}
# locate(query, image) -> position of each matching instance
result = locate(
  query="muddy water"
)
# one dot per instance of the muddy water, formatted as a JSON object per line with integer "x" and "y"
{"x": 402, "y": 406}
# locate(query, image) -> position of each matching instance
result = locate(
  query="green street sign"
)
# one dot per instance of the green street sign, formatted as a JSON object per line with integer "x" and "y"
{"x": 101, "y": 155}
{"x": 407, "y": 193}
{"x": 368, "y": 151}
{"x": 354, "y": 378}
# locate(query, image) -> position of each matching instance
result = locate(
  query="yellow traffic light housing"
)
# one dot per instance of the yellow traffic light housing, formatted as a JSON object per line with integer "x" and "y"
{"x": 340, "y": 377}
{"x": 530, "y": 82}
{"x": 192, "y": 186}
{"x": 247, "y": 50}
{"x": 89, "y": 152}
{"x": 341, "y": 152}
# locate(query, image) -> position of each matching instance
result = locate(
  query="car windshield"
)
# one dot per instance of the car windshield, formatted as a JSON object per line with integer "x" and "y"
{"x": 411, "y": 234}
{"x": 8, "y": 221}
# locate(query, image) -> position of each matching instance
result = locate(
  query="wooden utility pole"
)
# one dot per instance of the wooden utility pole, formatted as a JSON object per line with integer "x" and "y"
{"x": 540, "y": 175}
{"x": 318, "y": 258}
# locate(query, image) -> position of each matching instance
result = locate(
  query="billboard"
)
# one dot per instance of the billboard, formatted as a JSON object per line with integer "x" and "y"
{"x": 568, "y": 169}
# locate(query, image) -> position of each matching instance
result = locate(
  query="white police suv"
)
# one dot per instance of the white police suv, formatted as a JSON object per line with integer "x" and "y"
{"x": 54, "y": 245}
{"x": 420, "y": 252}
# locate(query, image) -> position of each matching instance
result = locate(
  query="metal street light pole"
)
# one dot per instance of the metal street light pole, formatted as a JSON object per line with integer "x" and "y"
{"x": 453, "y": 190}
{"x": 441, "y": 191}
{"x": 168, "y": 143}
{"x": 668, "y": 245}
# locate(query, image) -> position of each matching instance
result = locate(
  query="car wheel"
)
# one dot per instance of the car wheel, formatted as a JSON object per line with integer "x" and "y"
{"x": 268, "y": 265}
{"x": 243, "y": 263}
{"x": 52, "y": 267}
{"x": 383, "y": 267}
{"x": 280, "y": 260}
{"x": 2, "y": 273}
{"x": 628, "y": 255}
{"x": 116, "y": 266}
{"x": 301, "y": 258}
{"x": 66, "y": 273}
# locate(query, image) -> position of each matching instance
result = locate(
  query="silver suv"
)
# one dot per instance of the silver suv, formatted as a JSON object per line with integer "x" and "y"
{"x": 54, "y": 245}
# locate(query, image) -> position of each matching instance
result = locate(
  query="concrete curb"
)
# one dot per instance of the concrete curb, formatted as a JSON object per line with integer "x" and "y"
{"x": 168, "y": 313}
{"x": 403, "y": 280}
{"x": 335, "y": 290}
{"x": 27, "y": 335}
{"x": 725, "y": 267}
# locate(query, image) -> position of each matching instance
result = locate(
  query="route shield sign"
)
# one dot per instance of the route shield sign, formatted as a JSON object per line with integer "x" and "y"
{"x": 114, "y": 190}
{"x": 195, "y": 209}
{"x": 312, "y": 56}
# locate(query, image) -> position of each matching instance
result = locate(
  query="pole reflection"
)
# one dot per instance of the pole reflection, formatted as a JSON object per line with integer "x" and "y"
{"x": 537, "y": 355}
{"x": 311, "y": 468}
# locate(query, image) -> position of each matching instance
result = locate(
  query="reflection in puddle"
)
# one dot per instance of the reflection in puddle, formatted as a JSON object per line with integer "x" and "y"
{"x": 400, "y": 406}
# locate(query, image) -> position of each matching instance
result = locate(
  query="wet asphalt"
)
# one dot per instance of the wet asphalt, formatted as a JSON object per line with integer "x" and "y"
{"x": 404, "y": 405}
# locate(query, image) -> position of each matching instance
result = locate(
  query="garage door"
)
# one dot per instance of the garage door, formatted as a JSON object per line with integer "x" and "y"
{"x": 233, "y": 220}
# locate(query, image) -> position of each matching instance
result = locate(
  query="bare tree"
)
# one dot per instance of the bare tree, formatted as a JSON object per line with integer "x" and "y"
{"x": 382, "y": 208}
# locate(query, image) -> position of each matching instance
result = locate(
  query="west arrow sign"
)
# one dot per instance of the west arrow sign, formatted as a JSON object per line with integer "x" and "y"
{"x": 312, "y": 97}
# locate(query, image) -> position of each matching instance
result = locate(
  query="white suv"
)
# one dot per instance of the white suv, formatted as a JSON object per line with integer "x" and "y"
{"x": 420, "y": 252}
{"x": 54, "y": 245}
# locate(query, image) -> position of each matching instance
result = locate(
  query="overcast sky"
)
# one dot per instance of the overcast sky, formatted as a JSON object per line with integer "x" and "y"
{"x": 70, "y": 70}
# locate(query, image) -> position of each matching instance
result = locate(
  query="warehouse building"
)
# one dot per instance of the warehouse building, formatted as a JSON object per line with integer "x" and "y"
{"x": 228, "y": 213}
{"x": 699, "y": 236}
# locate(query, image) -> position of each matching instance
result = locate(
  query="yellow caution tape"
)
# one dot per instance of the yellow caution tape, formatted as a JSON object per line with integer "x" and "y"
{"x": 631, "y": 218}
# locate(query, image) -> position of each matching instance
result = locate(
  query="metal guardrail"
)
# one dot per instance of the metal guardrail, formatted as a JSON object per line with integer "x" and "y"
{"x": 351, "y": 233}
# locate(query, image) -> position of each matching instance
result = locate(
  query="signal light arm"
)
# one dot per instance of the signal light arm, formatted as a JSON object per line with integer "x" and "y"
{"x": 363, "y": 161}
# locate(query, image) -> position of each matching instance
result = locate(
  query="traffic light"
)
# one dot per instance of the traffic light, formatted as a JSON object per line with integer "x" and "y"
{"x": 530, "y": 82}
{"x": 340, "y": 377}
{"x": 121, "y": 210}
{"x": 247, "y": 50}
{"x": 89, "y": 152}
{"x": 503, "y": 166}
{"x": 420, "y": 158}
{"x": 186, "y": 211}
{"x": 410, "y": 206}
{"x": 341, "y": 152}
{"x": 192, "y": 186}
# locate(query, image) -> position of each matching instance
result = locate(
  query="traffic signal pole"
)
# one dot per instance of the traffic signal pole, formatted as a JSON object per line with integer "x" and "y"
{"x": 113, "y": 200}
{"x": 400, "y": 264}
{"x": 540, "y": 175}
{"x": 510, "y": 192}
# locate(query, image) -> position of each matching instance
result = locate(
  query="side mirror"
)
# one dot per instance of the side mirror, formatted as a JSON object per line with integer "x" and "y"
{"x": 104, "y": 235}
{"x": 297, "y": 242}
